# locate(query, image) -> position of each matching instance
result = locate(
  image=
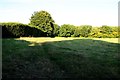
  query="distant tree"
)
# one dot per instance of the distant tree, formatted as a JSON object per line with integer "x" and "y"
{"x": 56, "y": 30}
{"x": 85, "y": 30}
{"x": 115, "y": 28}
{"x": 44, "y": 21}
{"x": 66, "y": 30}
{"x": 106, "y": 29}
{"x": 95, "y": 31}
{"x": 77, "y": 31}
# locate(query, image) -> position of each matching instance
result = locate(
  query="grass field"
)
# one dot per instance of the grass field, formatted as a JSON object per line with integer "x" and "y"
{"x": 61, "y": 58}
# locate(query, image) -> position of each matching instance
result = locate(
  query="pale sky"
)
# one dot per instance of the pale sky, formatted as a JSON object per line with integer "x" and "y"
{"x": 76, "y": 12}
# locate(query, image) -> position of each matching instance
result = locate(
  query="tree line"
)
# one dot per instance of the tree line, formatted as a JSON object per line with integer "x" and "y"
{"x": 42, "y": 25}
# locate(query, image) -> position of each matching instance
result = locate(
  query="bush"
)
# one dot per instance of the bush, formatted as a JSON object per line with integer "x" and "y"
{"x": 12, "y": 30}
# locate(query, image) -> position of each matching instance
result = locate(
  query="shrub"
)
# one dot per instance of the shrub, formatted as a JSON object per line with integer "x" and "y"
{"x": 12, "y": 30}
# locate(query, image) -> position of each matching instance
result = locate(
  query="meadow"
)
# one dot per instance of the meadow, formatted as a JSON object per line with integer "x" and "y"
{"x": 59, "y": 57}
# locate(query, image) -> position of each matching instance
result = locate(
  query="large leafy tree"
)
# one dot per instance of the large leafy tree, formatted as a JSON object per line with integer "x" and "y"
{"x": 44, "y": 21}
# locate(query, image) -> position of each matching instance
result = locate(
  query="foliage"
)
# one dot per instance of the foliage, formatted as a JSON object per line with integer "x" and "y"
{"x": 66, "y": 30}
{"x": 105, "y": 32}
{"x": 77, "y": 31}
{"x": 44, "y": 21}
{"x": 56, "y": 30}
{"x": 106, "y": 29}
{"x": 11, "y": 30}
{"x": 86, "y": 30}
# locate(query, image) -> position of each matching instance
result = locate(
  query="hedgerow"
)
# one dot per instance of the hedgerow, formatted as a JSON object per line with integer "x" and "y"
{"x": 12, "y": 30}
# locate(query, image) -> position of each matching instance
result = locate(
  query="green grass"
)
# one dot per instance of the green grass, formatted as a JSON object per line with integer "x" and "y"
{"x": 61, "y": 58}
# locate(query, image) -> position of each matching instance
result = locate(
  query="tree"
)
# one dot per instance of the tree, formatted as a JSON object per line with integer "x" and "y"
{"x": 44, "y": 21}
{"x": 77, "y": 31}
{"x": 56, "y": 30}
{"x": 85, "y": 30}
{"x": 106, "y": 29}
{"x": 95, "y": 31}
{"x": 66, "y": 30}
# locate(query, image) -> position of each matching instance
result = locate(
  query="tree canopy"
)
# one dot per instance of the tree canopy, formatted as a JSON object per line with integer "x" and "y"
{"x": 66, "y": 30}
{"x": 44, "y": 21}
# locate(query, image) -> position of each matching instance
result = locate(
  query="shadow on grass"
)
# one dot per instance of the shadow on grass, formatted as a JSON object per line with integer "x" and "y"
{"x": 79, "y": 58}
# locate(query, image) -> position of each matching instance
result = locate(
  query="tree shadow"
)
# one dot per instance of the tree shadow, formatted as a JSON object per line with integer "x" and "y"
{"x": 78, "y": 58}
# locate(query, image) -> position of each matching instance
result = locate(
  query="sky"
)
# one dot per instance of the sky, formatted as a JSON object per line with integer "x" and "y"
{"x": 75, "y": 12}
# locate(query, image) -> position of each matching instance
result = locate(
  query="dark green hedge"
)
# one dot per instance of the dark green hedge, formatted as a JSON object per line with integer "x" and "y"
{"x": 13, "y": 30}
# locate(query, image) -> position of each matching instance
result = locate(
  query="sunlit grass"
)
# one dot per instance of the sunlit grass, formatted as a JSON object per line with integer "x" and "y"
{"x": 112, "y": 40}
{"x": 48, "y": 39}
